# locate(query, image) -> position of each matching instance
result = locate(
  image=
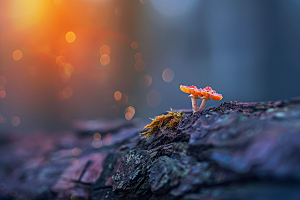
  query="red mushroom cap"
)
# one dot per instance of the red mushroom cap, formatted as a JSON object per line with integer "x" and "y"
{"x": 209, "y": 93}
{"x": 190, "y": 90}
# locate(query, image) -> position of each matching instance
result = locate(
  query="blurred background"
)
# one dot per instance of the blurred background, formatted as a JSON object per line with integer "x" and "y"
{"x": 66, "y": 60}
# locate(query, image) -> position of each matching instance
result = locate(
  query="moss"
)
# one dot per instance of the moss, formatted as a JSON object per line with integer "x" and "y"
{"x": 169, "y": 121}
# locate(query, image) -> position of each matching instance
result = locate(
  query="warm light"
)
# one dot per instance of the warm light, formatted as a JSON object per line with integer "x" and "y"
{"x": 124, "y": 100}
{"x": 143, "y": 1}
{"x": 67, "y": 92}
{"x": 17, "y": 55}
{"x": 15, "y": 121}
{"x": 118, "y": 95}
{"x": 70, "y": 37}
{"x": 32, "y": 71}
{"x": 153, "y": 98}
{"x": 104, "y": 49}
{"x": 134, "y": 45}
{"x": 60, "y": 60}
{"x": 97, "y": 136}
{"x": 129, "y": 112}
{"x": 138, "y": 56}
{"x": 146, "y": 80}
{"x": 105, "y": 59}
{"x": 57, "y": 2}
{"x": 168, "y": 75}
{"x": 3, "y": 80}
{"x": 28, "y": 13}
{"x": 2, "y": 94}
{"x": 140, "y": 65}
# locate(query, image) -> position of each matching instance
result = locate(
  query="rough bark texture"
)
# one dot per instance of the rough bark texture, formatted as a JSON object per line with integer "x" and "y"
{"x": 233, "y": 151}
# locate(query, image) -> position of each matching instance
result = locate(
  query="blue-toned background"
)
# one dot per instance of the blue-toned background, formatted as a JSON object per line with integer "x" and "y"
{"x": 64, "y": 60}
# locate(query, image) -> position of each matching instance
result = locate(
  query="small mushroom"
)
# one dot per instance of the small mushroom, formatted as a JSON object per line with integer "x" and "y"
{"x": 207, "y": 94}
{"x": 194, "y": 95}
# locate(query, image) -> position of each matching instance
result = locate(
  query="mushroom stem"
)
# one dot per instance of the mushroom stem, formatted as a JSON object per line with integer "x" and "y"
{"x": 194, "y": 102}
{"x": 203, "y": 104}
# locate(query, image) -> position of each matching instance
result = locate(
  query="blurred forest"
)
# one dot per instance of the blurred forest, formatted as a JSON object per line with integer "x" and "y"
{"x": 65, "y": 60}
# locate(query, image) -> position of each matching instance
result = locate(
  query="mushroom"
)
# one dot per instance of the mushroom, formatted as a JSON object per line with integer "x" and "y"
{"x": 207, "y": 94}
{"x": 194, "y": 95}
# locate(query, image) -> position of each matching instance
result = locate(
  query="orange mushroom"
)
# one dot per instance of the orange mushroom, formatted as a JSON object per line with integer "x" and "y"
{"x": 194, "y": 95}
{"x": 207, "y": 94}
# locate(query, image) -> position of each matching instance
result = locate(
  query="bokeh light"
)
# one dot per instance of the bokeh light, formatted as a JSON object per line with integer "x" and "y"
{"x": 74, "y": 161}
{"x": 67, "y": 92}
{"x": 97, "y": 136}
{"x": 97, "y": 143}
{"x": 146, "y": 80}
{"x": 138, "y": 56}
{"x": 17, "y": 54}
{"x": 129, "y": 112}
{"x": 76, "y": 151}
{"x": 143, "y": 1}
{"x": 70, "y": 37}
{"x": 118, "y": 11}
{"x": 134, "y": 45}
{"x": 153, "y": 98}
{"x": 2, "y": 94}
{"x": 104, "y": 49}
{"x": 140, "y": 65}
{"x": 168, "y": 75}
{"x": 124, "y": 100}
{"x": 118, "y": 95}
{"x": 105, "y": 59}
{"x": 15, "y": 121}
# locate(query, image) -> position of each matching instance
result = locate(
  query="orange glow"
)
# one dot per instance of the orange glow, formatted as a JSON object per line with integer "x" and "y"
{"x": 97, "y": 136}
{"x": 104, "y": 49}
{"x": 70, "y": 37}
{"x": 124, "y": 100}
{"x": 143, "y": 1}
{"x": 15, "y": 121}
{"x": 118, "y": 95}
{"x": 60, "y": 60}
{"x": 3, "y": 80}
{"x": 140, "y": 65}
{"x": 28, "y": 13}
{"x": 2, "y": 94}
{"x": 57, "y": 2}
{"x": 134, "y": 45}
{"x": 67, "y": 92}
{"x": 129, "y": 112}
{"x": 32, "y": 71}
{"x": 105, "y": 59}
{"x": 17, "y": 55}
